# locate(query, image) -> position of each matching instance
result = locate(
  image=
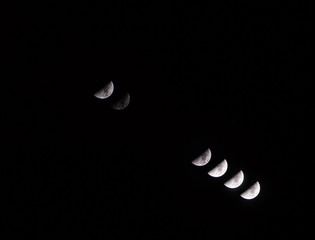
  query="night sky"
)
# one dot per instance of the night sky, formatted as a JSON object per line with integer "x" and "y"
{"x": 228, "y": 77}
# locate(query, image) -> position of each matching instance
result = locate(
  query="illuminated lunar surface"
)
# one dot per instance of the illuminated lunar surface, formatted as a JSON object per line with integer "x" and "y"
{"x": 203, "y": 159}
{"x": 251, "y": 192}
{"x": 106, "y": 91}
{"x": 235, "y": 181}
{"x": 219, "y": 170}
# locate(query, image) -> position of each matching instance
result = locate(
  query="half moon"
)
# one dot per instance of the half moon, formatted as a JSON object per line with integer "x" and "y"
{"x": 235, "y": 181}
{"x": 251, "y": 192}
{"x": 106, "y": 91}
{"x": 203, "y": 159}
{"x": 122, "y": 103}
{"x": 219, "y": 170}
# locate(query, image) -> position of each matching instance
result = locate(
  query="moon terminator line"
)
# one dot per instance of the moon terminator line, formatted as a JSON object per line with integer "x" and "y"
{"x": 106, "y": 91}
{"x": 203, "y": 159}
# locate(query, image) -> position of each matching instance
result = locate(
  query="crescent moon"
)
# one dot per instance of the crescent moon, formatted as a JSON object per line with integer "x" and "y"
{"x": 203, "y": 159}
{"x": 122, "y": 103}
{"x": 106, "y": 91}
{"x": 235, "y": 181}
{"x": 219, "y": 170}
{"x": 251, "y": 192}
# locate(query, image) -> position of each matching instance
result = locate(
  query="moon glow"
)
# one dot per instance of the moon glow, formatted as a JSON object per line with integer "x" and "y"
{"x": 251, "y": 192}
{"x": 235, "y": 181}
{"x": 122, "y": 103}
{"x": 219, "y": 170}
{"x": 203, "y": 159}
{"x": 106, "y": 91}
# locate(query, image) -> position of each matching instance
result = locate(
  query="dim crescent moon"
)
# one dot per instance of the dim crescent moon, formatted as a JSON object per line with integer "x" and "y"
{"x": 235, "y": 181}
{"x": 251, "y": 192}
{"x": 106, "y": 91}
{"x": 122, "y": 103}
{"x": 203, "y": 159}
{"x": 219, "y": 170}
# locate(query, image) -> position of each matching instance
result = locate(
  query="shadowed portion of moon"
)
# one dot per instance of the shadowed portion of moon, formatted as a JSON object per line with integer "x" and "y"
{"x": 235, "y": 181}
{"x": 251, "y": 192}
{"x": 122, "y": 103}
{"x": 219, "y": 170}
{"x": 203, "y": 159}
{"x": 106, "y": 91}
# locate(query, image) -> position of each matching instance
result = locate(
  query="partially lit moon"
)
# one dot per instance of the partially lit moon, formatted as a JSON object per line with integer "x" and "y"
{"x": 203, "y": 159}
{"x": 219, "y": 170}
{"x": 122, "y": 103}
{"x": 106, "y": 91}
{"x": 235, "y": 181}
{"x": 251, "y": 192}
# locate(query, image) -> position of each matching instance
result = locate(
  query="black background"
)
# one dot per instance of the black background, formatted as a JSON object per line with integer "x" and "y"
{"x": 224, "y": 76}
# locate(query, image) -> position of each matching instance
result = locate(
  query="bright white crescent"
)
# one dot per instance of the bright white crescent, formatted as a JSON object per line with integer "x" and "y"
{"x": 203, "y": 159}
{"x": 251, "y": 192}
{"x": 219, "y": 170}
{"x": 235, "y": 181}
{"x": 106, "y": 91}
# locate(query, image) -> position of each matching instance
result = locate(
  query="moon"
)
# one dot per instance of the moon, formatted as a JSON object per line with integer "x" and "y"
{"x": 219, "y": 170}
{"x": 251, "y": 192}
{"x": 122, "y": 103}
{"x": 235, "y": 181}
{"x": 203, "y": 159}
{"x": 106, "y": 91}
